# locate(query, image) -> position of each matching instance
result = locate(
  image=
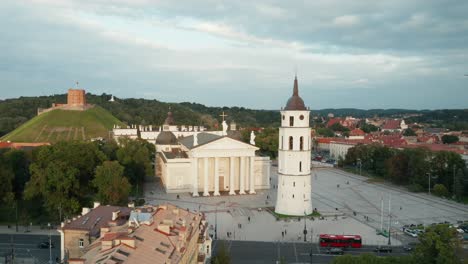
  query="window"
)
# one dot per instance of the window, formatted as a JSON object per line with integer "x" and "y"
{"x": 301, "y": 117}
{"x": 291, "y": 121}
{"x": 283, "y": 117}
{"x": 294, "y": 184}
{"x": 81, "y": 243}
{"x": 301, "y": 143}
{"x": 293, "y": 195}
{"x": 291, "y": 143}
{"x": 300, "y": 166}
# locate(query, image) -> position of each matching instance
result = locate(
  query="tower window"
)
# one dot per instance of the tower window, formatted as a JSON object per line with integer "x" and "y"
{"x": 293, "y": 195}
{"x": 294, "y": 184}
{"x": 291, "y": 143}
{"x": 300, "y": 166}
{"x": 283, "y": 117}
{"x": 291, "y": 121}
{"x": 301, "y": 143}
{"x": 301, "y": 117}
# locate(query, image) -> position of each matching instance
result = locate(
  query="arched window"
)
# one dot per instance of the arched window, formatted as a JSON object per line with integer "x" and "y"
{"x": 301, "y": 143}
{"x": 294, "y": 184}
{"x": 290, "y": 143}
{"x": 300, "y": 166}
{"x": 291, "y": 121}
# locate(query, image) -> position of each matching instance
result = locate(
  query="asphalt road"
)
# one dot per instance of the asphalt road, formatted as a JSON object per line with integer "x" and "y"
{"x": 270, "y": 252}
{"x": 26, "y": 246}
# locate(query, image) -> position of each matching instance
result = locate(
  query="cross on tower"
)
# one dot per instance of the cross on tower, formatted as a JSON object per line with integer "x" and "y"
{"x": 223, "y": 115}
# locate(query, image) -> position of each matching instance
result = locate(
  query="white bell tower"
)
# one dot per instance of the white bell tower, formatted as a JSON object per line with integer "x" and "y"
{"x": 294, "y": 154}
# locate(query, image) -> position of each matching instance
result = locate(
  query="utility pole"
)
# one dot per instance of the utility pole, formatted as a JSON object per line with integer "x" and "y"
{"x": 50, "y": 245}
{"x": 305, "y": 227}
{"x": 389, "y": 219}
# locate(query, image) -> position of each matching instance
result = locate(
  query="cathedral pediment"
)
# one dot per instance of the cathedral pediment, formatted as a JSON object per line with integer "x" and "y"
{"x": 225, "y": 143}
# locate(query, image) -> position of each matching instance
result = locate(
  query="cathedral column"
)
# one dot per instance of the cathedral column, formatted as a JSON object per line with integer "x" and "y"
{"x": 205, "y": 183}
{"x": 195, "y": 176}
{"x": 231, "y": 176}
{"x": 216, "y": 176}
{"x": 251, "y": 175}
{"x": 242, "y": 175}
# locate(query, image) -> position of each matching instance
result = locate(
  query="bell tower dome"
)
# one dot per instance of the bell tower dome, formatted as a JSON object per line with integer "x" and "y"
{"x": 294, "y": 156}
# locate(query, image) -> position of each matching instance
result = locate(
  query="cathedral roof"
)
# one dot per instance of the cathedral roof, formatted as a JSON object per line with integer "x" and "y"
{"x": 295, "y": 102}
{"x": 166, "y": 138}
{"x": 202, "y": 138}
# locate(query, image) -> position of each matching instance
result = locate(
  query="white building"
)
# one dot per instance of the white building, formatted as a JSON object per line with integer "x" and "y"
{"x": 339, "y": 149}
{"x": 294, "y": 181}
{"x": 209, "y": 164}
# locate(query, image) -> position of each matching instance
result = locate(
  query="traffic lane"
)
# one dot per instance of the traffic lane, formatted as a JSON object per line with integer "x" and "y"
{"x": 27, "y": 245}
{"x": 270, "y": 252}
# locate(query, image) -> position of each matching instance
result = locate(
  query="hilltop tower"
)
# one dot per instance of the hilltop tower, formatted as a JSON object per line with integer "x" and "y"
{"x": 294, "y": 180}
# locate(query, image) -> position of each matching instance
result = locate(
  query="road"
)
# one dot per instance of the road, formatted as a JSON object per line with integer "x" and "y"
{"x": 26, "y": 246}
{"x": 269, "y": 252}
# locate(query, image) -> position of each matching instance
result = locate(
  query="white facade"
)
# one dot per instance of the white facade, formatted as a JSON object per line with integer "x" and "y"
{"x": 223, "y": 165}
{"x": 340, "y": 149}
{"x": 294, "y": 156}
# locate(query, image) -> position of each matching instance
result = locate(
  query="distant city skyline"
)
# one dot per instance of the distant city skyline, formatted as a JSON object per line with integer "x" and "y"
{"x": 347, "y": 54}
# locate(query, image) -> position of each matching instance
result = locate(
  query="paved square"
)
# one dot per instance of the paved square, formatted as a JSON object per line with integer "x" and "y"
{"x": 356, "y": 204}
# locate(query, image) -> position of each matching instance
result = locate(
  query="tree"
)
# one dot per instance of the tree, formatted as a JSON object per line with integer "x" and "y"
{"x": 113, "y": 187}
{"x": 338, "y": 127}
{"x": 449, "y": 139}
{"x": 57, "y": 183}
{"x": 6, "y": 187}
{"x": 368, "y": 128}
{"x": 438, "y": 245}
{"x": 326, "y": 132}
{"x": 440, "y": 190}
{"x": 222, "y": 256}
{"x": 409, "y": 133}
{"x": 136, "y": 156}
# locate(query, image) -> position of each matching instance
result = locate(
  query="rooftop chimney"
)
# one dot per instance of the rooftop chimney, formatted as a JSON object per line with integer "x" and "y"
{"x": 115, "y": 215}
{"x": 85, "y": 210}
{"x": 96, "y": 204}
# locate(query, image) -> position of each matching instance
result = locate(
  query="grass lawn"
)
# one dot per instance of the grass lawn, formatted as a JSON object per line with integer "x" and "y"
{"x": 59, "y": 124}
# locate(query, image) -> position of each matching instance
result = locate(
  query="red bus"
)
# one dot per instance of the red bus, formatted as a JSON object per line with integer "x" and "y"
{"x": 354, "y": 241}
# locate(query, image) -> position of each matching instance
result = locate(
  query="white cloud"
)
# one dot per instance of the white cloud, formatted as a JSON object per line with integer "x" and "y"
{"x": 346, "y": 21}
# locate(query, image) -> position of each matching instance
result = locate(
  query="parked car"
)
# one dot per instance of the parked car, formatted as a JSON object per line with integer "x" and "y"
{"x": 45, "y": 244}
{"x": 384, "y": 249}
{"x": 335, "y": 251}
{"x": 410, "y": 232}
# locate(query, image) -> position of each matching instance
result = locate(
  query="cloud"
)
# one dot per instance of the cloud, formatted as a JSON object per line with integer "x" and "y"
{"x": 346, "y": 21}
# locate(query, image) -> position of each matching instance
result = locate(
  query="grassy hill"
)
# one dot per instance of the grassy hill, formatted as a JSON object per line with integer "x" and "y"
{"x": 65, "y": 125}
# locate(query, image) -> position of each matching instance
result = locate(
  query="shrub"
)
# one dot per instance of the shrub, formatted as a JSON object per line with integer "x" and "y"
{"x": 440, "y": 190}
{"x": 415, "y": 188}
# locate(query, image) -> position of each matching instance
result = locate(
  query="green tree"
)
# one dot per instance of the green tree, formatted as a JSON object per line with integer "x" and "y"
{"x": 222, "y": 256}
{"x": 57, "y": 184}
{"x": 409, "y": 132}
{"x": 326, "y": 132}
{"x": 113, "y": 188}
{"x": 338, "y": 127}
{"x": 438, "y": 245}
{"x": 449, "y": 139}
{"x": 440, "y": 190}
{"x": 368, "y": 128}
{"x": 137, "y": 157}
{"x": 6, "y": 178}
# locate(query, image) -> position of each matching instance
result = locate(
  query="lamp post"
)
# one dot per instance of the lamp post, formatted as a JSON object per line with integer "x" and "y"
{"x": 305, "y": 227}
{"x": 429, "y": 178}
{"x": 311, "y": 243}
{"x": 50, "y": 245}
{"x": 360, "y": 166}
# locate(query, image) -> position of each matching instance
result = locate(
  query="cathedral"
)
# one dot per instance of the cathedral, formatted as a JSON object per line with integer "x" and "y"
{"x": 205, "y": 163}
{"x": 294, "y": 158}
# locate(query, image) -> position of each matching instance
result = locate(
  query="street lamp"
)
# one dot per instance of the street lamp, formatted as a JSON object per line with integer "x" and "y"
{"x": 311, "y": 242}
{"x": 360, "y": 166}
{"x": 429, "y": 179}
{"x": 50, "y": 244}
{"x": 305, "y": 227}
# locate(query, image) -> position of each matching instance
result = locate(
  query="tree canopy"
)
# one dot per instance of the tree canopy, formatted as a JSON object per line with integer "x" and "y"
{"x": 112, "y": 186}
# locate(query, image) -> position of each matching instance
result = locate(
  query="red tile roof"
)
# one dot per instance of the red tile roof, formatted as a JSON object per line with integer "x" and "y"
{"x": 357, "y": 132}
{"x": 392, "y": 124}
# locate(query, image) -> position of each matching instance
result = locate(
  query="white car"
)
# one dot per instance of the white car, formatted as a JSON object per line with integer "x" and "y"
{"x": 410, "y": 232}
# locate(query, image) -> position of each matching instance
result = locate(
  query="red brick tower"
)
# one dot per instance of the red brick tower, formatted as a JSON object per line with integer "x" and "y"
{"x": 76, "y": 97}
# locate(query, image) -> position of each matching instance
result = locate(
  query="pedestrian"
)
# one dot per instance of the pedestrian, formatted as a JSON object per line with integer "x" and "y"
{"x": 282, "y": 234}
{"x": 401, "y": 208}
{"x": 285, "y": 232}
{"x": 268, "y": 197}
{"x": 248, "y": 218}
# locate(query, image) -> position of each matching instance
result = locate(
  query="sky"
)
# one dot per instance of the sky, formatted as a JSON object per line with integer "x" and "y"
{"x": 362, "y": 54}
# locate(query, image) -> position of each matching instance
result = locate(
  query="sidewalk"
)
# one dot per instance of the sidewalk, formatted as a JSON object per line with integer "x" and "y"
{"x": 33, "y": 230}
